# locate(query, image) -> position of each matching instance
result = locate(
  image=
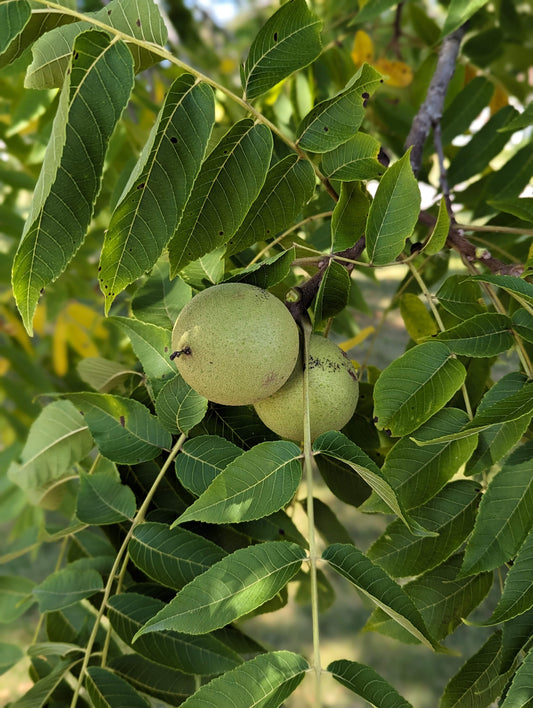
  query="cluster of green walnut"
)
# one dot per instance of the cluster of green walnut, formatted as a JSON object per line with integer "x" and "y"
{"x": 237, "y": 344}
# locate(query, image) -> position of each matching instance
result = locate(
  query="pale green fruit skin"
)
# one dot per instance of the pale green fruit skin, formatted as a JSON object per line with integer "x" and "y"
{"x": 243, "y": 343}
{"x": 333, "y": 394}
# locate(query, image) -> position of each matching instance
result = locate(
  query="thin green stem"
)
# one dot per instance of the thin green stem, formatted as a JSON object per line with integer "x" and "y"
{"x": 494, "y": 229}
{"x": 139, "y": 517}
{"x": 308, "y": 465}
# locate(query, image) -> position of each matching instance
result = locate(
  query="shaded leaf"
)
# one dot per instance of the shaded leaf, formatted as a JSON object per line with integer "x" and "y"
{"x": 466, "y": 106}
{"x": 517, "y": 634}
{"x": 15, "y": 596}
{"x": 107, "y": 690}
{"x": 67, "y": 587}
{"x": 169, "y": 685}
{"x": 160, "y": 300}
{"x": 437, "y": 238}
{"x": 289, "y": 40}
{"x": 239, "y": 424}
{"x": 370, "y": 10}
{"x": 461, "y": 296}
{"x": 10, "y": 654}
{"x": 332, "y": 122}
{"x": 231, "y": 588}
{"x": 393, "y": 213}
{"x": 338, "y": 446}
{"x": 123, "y": 429}
{"x": 172, "y": 557}
{"x": 503, "y": 521}
{"x": 227, "y": 184}
{"x": 523, "y": 324}
{"x": 415, "y": 386}
{"x": 57, "y": 440}
{"x": 356, "y": 159}
{"x": 266, "y": 273}
{"x": 374, "y": 582}
{"x": 349, "y": 216}
{"x": 193, "y": 655}
{"x": 289, "y": 184}
{"x": 520, "y": 692}
{"x": 41, "y": 691}
{"x": 478, "y": 682}
{"x": 14, "y": 16}
{"x": 450, "y": 514}
{"x": 366, "y": 682}
{"x": 333, "y": 294}
{"x": 152, "y": 202}
{"x": 70, "y": 176}
{"x": 327, "y": 524}
{"x": 483, "y": 335}
{"x": 520, "y": 207}
{"x": 521, "y": 289}
{"x": 103, "y": 500}
{"x": 459, "y": 12}
{"x": 179, "y": 407}
{"x": 202, "y": 458}
{"x": 151, "y": 344}
{"x": 258, "y": 482}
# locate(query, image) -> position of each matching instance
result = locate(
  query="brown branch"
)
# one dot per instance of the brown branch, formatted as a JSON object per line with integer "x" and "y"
{"x": 430, "y": 111}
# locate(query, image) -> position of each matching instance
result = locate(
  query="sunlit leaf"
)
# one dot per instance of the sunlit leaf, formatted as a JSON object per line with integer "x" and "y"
{"x": 418, "y": 322}
{"x": 437, "y": 238}
{"x": 233, "y": 587}
{"x": 289, "y": 40}
{"x": 396, "y": 73}
{"x": 459, "y": 12}
{"x": 363, "y": 48}
{"x": 71, "y": 173}
{"x": 519, "y": 288}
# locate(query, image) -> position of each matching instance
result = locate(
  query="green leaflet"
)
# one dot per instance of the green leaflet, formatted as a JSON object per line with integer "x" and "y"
{"x": 169, "y": 685}
{"x": 483, "y": 335}
{"x": 66, "y": 587}
{"x": 367, "y": 683}
{"x": 160, "y": 300}
{"x": 519, "y": 694}
{"x": 233, "y": 587}
{"x": 331, "y": 122}
{"x": 179, "y": 407}
{"x": 107, "y": 690}
{"x": 104, "y": 500}
{"x": 52, "y": 50}
{"x": 227, "y": 184}
{"x": 437, "y": 238}
{"x": 15, "y": 596}
{"x": 333, "y": 293}
{"x": 459, "y": 12}
{"x": 72, "y": 169}
{"x": 14, "y": 16}
{"x": 203, "y": 458}
{"x": 415, "y": 386}
{"x": 393, "y": 213}
{"x": 289, "y": 40}
{"x": 356, "y": 159}
{"x": 257, "y": 483}
{"x": 349, "y": 216}
{"x": 466, "y": 106}
{"x": 152, "y": 202}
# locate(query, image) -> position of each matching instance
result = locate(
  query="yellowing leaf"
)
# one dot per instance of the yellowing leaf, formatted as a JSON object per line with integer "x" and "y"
{"x": 398, "y": 73}
{"x": 39, "y": 320}
{"x": 470, "y": 73}
{"x": 14, "y": 328}
{"x": 500, "y": 98}
{"x": 4, "y": 365}
{"x": 80, "y": 341}
{"x": 227, "y": 65}
{"x": 59, "y": 346}
{"x": 363, "y": 48}
{"x": 355, "y": 341}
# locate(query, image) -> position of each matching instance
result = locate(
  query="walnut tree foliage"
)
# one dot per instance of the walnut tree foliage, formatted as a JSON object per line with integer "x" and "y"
{"x": 148, "y": 154}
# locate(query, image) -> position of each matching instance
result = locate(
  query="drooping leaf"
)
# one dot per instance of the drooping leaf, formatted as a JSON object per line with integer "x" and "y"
{"x": 266, "y": 273}
{"x": 437, "y": 238}
{"x": 478, "y": 681}
{"x": 233, "y": 587}
{"x": 333, "y": 294}
{"x": 289, "y": 40}
{"x": 203, "y": 458}
{"x": 289, "y": 185}
{"x": 257, "y": 483}
{"x": 15, "y": 596}
{"x": 331, "y": 122}
{"x": 450, "y": 514}
{"x": 519, "y": 288}
{"x": 107, "y": 690}
{"x": 459, "y": 12}
{"x": 172, "y": 557}
{"x": 465, "y": 107}
{"x": 67, "y": 587}
{"x": 499, "y": 439}
{"x": 103, "y": 374}
{"x": 104, "y": 500}
{"x": 169, "y": 685}
{"x": 179, "y": 407}
{"x": 338, "y": 446}
{"x": 374, "y": 582}
{"x": 52, "y": 51}
{"x": 503, "y": 521}
{"x": 203, "y": 655}
{"x": 366, "y": 682}
{"x": 40, "y": 692}
{"x": 327, "y": 524}
{"x": 58, "y": 439}
{"x": 462, "y": 297}
{"x": 14, "y": 16}
{"x": 393, "y": 213}
{"x": 228, "y": 183}
{"x": 519, "y": 694}
{"x": 516, "y": 636}
{"x": 517, "y": 596}
{"x": 356, "y": 159}
{"x": 483, "y": 335}
{"x": 523, "y": 324}
{"x": 71, "y": 173}
{"x": 152, "y": 202}
{"x": 264, "y": 681}
{"x": 415, "y": 386}
{"x": 442, "y": 599}
{"x": 160, "y": 300}
{"x": 349, "y": 216}
{"x": 123, "y": 429}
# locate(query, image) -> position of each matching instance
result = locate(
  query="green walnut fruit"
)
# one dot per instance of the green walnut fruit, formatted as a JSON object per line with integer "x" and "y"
{"x": 235, "y": 343}
{"x": 333, "y": 393}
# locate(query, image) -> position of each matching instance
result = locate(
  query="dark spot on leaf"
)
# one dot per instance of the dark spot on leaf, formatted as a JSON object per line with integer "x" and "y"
{"x": 326, "y": 129}
{"x": 105, "y": 286}
{"x": 268, "y": 231}
{"x": 225, "y": 152}
{"x": 281, "y": 532}
{"x": 42, "y": 291}
{"x": 163, "y": 376}
{"x": 122, "y": 421}
{"x": 375, "y": 419}
{"x": 109, "y": 12}
{"x": 166, "y": 349}
{"x": 221, "y": 233}
{"x": 387, "y": 432}
{"x": 99, "y": 268}
{"x": 381, "y": 81}
{"x": 68, "y": 71}
{"x": 141, "y": 185}
{"x": 173, "y": 139}
{"x": 365, "y": 95}
{"x": 138, "y": 23}
{"x": 82, "y": 413}
{"x": 365, "y": 102}
{"x": 275, "y": 36}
